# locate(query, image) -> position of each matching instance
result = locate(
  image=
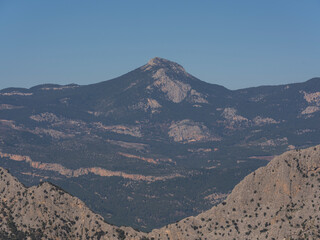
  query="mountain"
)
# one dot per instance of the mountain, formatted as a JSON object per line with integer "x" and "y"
{"x": 278, "y": 201}
{"x": 156, "y": 139}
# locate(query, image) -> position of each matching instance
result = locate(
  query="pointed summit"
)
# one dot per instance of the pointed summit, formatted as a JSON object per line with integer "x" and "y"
{"x": 157, "y": 63}
{"x": 173, "y": 81}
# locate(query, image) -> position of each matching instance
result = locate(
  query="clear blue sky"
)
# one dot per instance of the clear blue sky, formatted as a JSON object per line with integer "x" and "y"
{"x": 232, "y": 43}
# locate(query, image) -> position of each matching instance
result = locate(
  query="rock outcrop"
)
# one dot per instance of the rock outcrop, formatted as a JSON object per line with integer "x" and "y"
{"x": 279, "y": 201}
{"x": 188, "y": 131}
{"x": 58, "y": 168}
{"x": 166, "y": 75}
{"x": 47, "y": 212}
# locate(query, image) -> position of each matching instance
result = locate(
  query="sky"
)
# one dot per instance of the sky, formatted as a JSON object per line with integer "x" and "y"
{"x": 236, "y": 44}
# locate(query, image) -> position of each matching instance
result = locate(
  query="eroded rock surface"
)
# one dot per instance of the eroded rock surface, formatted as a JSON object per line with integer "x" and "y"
{"x": 188, "y": 131}
{"x": 279, "y": 201}
{"x": 67, "y": 172}
{"x": 166, "y": 80}
{"x": 47, "y": 212}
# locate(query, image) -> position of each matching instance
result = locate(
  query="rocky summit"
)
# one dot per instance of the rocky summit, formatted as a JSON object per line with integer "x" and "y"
{"x": 278, "y": 201}
{"x": 154, "y": 138}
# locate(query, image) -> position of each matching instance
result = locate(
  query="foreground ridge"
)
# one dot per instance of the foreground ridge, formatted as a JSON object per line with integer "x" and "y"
{"x": 279, "y": 201}
{"x": 47, "y": 212}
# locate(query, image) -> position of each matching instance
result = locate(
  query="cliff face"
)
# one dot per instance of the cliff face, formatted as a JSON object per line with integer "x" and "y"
{"x": 279, "y": 201}
{"x": 47, "y": 212}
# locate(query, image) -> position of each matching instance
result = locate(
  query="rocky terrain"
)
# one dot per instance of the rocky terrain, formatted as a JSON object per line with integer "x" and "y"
{"x": 48, "y": 212}
{"x": 278, "y": 201}
{"x": 154, "y": 138}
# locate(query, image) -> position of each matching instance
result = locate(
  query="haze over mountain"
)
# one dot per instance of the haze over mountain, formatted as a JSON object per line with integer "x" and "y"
{"x": 279, "y": 201}
{"x": 154, "y": 137}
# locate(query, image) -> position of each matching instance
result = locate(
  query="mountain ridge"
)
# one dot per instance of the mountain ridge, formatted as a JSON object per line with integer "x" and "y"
{"x": 156, "y": 62}
{"x": 278, "y": 201}
{"x": 149, "y": 125}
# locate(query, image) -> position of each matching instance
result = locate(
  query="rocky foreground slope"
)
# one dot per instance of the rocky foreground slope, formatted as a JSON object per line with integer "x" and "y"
{"x": 279, "y": 201}
{"x": 47, "y": 212}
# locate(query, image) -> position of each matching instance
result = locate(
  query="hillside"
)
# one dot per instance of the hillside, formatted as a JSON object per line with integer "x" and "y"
{"x": 47, "y": 212}
{"x": 154, "y": 138}
{"x": 279, "y": 201}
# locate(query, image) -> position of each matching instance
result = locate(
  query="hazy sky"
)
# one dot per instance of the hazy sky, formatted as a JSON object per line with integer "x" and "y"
{"x": 232, "y": 43}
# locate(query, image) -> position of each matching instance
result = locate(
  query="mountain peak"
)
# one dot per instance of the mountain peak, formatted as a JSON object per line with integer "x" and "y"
{"x": 157, "y": 62}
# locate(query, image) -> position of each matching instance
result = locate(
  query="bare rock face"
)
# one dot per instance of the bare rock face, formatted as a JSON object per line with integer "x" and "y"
{"x": 310, "y": 110}
{"x": 231, "y": 115}
{"x": 121, "y": 129}
{"x": 67, "y": 172}
{"x": 163, "y": 63}
{"x": 260, "y": 121}
{"x": 47, "y": 212}
{"x": 175, "y": 90}
{"x": 188, "y": 131}
{"x": 279, "y": 201}
{"x": 312, "y": 98}
{"x": 148, "y": 104}
{"x": 165, "y": 75}
{"x": 45, "y": 117}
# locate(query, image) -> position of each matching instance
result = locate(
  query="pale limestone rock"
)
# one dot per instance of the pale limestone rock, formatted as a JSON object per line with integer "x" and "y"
{"x": 262, "y": 121}
{"x": 52, "y": 133}
{"x": 163, "y": 63}
{"x": 312, "y": 97}
{"x": 49, "y": 210}
{"x": 279, "y": 201}
{"x": 175, "y": 90}
{"x": 59, "y": 88}
{"x": 231, "y": 115}
{"x": 121, "y": 129}
{"x": 310, "y": 109}
{"x": 188, "y": 131}
{"x": 148, "y": 105}
{"x": 45, "y": 117}
{"x": 58, "y": 168}
{"x": 163, "y": 72}
{"x": 270, "y": 142}
{"x": 15, "y": 93}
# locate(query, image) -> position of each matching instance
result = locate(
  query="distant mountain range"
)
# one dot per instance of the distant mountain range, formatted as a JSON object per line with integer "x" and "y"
{"x": 155, "y": 145}
{"x": 279, "y": 201}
